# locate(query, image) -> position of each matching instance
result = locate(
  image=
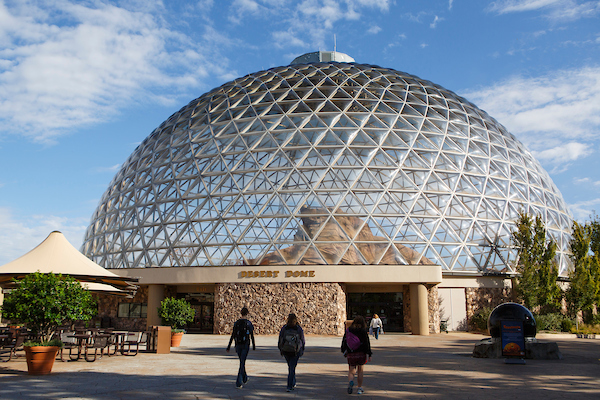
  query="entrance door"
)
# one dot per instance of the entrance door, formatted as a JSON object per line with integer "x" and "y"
{"x": 387, "y": 305}
{"x": 204, "y": 306}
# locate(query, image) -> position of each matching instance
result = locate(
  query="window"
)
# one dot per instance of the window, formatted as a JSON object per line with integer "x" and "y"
{"x": 132, "y": 310}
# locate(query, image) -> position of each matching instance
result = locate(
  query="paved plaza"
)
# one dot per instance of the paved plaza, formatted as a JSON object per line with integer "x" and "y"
{"x": 403, "y": 367}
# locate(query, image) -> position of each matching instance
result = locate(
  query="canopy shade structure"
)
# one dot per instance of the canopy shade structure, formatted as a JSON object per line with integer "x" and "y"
{"x": 56, "y": 255}
{"x": 106, "y": 289}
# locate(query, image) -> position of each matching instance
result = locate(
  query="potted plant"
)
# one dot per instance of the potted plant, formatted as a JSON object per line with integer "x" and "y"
{"x": 176, "y": 313}
{"x": 43, "y": 302}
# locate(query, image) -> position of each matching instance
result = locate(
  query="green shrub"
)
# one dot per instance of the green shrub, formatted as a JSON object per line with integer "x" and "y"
{"x": 566, "y": 325}
{"x": 594, "y": 320}
{"x": 53, "y": 342}
{"x": 549, "y": 322}
{"x": 587, "y": 329}
{"x": 479, "y": 320}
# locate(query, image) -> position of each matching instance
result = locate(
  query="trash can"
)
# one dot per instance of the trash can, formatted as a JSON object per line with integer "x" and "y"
{"x": 161, "y": 343}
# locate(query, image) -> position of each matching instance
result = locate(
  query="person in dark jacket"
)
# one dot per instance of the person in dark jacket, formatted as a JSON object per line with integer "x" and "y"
{"x": 357, "y": 357}
{"x": 291, "y": 328}
{"x": 242, "y": 346}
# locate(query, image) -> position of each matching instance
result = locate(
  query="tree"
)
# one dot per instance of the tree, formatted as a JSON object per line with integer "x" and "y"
{"x": 584, "y": 290}
{"x": 176, "y": 312}
{"x": 536, "y": 286}
{"x": 43, "y": 302}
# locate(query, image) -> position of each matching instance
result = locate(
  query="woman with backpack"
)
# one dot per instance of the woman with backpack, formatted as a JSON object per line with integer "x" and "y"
{"x": 356, "y": 347}
{"x": 291, "y": 346}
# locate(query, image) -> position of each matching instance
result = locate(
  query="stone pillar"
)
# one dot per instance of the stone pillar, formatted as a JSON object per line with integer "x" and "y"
{"x": 1, "y": 301}
{"x": 419, "y": 306}
{"x": 156, "y": 294}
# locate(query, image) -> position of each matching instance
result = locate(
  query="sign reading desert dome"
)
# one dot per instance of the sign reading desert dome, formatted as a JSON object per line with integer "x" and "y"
{"x": 275, "y": 274}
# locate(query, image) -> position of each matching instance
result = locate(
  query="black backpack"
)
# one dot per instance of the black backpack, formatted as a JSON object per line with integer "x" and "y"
{"x": 241, "y": 332}
{"x": 291, "y": 341}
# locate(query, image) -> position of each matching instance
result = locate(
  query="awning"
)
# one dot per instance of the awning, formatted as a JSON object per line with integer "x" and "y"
{"x": 56, "y": 255}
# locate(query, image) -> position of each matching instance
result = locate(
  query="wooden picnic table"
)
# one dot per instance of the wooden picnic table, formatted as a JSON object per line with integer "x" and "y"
{"x": 81, "y": 339}
{"x": 120, "y": 337}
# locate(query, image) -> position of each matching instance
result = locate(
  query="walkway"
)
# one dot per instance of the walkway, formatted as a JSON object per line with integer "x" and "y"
{"x": 403, "y": 367}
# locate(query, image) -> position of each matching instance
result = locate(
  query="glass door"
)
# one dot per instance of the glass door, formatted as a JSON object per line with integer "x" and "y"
{"x": 389, "y": 307}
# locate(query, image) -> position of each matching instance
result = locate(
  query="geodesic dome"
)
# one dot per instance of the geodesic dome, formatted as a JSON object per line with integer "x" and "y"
{"x": 325, "y": 163}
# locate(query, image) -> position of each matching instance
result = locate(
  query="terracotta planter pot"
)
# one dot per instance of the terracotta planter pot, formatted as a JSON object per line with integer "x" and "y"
{"x": 40, "y": 359}
{"x": 176, "y": 338}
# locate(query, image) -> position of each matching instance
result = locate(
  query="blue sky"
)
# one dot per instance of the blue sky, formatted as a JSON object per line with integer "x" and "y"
{"x": 82, "y": 83}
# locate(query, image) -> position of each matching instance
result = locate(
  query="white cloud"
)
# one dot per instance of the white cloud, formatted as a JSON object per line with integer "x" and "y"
{"x": 374, "y": 29}
{"x": 18, "y": 236}
{"x": 578, "y": 181}
{"x": 243, "y": 8}
{"x": 436, "y": 19}
{"x": 113, "y": 168}
{"x": 584, "y": 209}
{"x": 450, "y": 2}
{"x": 548, "y": 112}
{"x": 508, "y": 6}
{"x": 306, "y": 23}
{"x": 564, "y": 153}
{"x": 68, "y": 65}
{"x": 554, "y": 9}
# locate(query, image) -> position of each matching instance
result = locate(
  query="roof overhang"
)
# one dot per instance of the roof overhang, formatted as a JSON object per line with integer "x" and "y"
{"x": 427, "y": 274}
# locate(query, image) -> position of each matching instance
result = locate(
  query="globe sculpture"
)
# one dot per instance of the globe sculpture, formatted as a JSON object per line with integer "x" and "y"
{"x": 511, "y": 311}
{"x": 327, "y": 163}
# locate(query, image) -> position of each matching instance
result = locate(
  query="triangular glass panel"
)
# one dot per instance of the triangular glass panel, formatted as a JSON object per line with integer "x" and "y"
{"x": 330, "y": 139}
{"x": 387, "y": 205}
{"x": 434, "y": 183}
{"x": 312, "y": 256}
{"x": 423, "y": 207}
{"x": 363, "y": 139}
{"x": 413, "y": 160}
{"x": 295, "y": 181}
{"x": 350, "y": 205}
{"x": 348, "y": 159}
{"x": 218, "y": 255}
{"x": 404, "y": 199}
{"x": 331, "y": 181}
{"x": 408, "y": 232}
{"x": 253, "y": 232}
{"x": 352, "y": 256}
{"x": 367, "y": 181}
{"x": 367, "y": 199}
{"x": 331, "y": 231}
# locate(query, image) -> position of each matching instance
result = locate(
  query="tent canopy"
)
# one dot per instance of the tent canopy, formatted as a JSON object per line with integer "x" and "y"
{"x": 55, "y": 254}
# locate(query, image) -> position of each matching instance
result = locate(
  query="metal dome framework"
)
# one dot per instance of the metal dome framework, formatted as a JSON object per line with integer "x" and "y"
{"x": 325, "y": 163}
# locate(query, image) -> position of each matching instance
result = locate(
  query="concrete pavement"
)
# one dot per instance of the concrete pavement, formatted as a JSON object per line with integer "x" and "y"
{"x": 403, "y": 367}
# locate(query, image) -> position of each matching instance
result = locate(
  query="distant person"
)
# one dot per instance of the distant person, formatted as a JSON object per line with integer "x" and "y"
{"x": 376, "y": 326}
{"x": 356, "y": 347}
{"x": 243, "y": 332}
{"x": 291, "y": 346}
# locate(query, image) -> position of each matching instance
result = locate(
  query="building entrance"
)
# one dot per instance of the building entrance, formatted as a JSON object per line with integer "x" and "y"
{"x": 204, "y": 305}
{"x": 389, "y": 307}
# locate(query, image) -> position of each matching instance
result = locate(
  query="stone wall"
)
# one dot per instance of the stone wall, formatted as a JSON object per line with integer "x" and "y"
{"x": 320, "y": 307}
{"x": 108, "y": 307}
{"x": 477, "y": 298}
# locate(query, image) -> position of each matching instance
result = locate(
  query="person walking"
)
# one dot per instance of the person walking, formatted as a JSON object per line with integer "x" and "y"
{"x": 356, "y": 347}
{"x": 243, "y": 333}
{"x": 291, "y": 346}
{"x": 376, "y": 326}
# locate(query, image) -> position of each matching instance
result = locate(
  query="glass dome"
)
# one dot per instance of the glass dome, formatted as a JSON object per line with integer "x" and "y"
{"x": 325, "y": 163}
